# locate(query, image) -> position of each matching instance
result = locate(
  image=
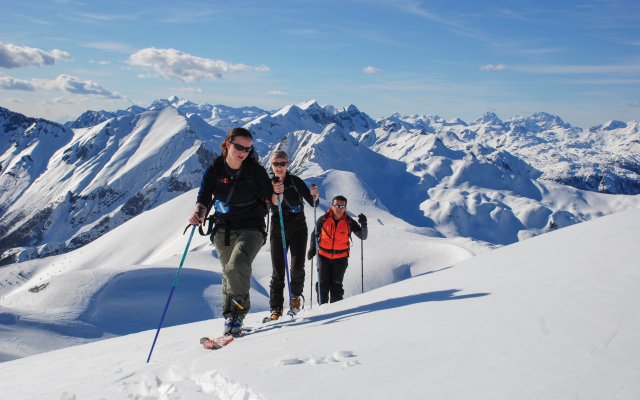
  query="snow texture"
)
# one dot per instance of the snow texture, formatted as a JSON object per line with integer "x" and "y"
{"x": 555, "y": 316}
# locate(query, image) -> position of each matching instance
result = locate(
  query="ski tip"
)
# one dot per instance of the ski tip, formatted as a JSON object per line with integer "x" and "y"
{"x": 215, "y": 344}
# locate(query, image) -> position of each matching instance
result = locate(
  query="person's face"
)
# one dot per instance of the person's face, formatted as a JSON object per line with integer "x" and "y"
{"x": 279, "y": 169}
{"x": 234, "y": 153}
{"x": 337, "y": 211}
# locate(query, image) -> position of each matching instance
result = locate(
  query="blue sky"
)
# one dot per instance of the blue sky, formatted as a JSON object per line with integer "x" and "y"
{"x": 579, "y": 60}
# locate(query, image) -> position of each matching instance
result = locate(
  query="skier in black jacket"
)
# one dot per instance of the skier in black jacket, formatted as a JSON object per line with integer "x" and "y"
{"x": 293, "y": 192}
{"x": 239, "y": 187}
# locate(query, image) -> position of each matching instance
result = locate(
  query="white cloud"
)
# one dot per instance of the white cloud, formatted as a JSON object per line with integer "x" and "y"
{"x": 71, "y": 84}
{"x": 62, "y": 100}
{"x": 372, "y": 70}
{"x": 57, "y": 100}
{"x": 9, "y": 83}
{"x": 100, "y": 62}
{"x": 185, "y": 68}
{"x": 109, "y": 46}
{"x": 491, "y": 67}
{"x": 634, "y": 104}
{"x": 63, "y": 83}
{"x": 19, "y": 101}
{"x": 276, "y": 92}
{"x": 12, "y": 56}
{"x": 61, "y": 55}
{"x": 188, "y": 90}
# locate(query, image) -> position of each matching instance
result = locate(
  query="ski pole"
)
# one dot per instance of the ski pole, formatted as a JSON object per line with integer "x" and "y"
{"x": 171, "y": 293}
{"x": 315, "y": 235}
{"x": 362, "y": 263}
{"x": 284, "y": 247}
{"x": 311, "y": 287}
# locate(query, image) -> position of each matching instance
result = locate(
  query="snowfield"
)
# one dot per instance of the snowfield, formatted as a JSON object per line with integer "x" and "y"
{"x": 119, "y": 283}
{"x": 555, "y": 316}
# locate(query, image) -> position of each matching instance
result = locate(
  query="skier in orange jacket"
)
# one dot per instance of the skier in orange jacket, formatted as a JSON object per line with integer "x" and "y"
{"x": 335, "y": 228}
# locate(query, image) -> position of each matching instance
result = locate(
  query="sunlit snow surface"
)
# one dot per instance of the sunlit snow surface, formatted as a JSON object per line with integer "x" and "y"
{"x": 555, "y": 316}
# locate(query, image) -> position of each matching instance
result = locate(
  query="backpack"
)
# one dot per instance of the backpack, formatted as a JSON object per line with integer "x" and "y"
{"x": 219, "y": 176}
{"x": 295, "y": 187}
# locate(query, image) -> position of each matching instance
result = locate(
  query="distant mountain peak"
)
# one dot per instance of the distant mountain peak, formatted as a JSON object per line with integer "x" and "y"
{"x": 308, "y": 105}
{"x": 488, "y": 117}
{"x": 456, "y": 121}
{"x": 611, "y": 125}
{"x": 352, "y": 108}
{"x": 548, "y": 120}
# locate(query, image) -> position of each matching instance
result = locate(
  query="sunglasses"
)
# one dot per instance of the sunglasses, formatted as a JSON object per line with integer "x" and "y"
{"x": 280, "y": 164}
{"x": 339, "y": 206}
{"x": 240, "y": 147}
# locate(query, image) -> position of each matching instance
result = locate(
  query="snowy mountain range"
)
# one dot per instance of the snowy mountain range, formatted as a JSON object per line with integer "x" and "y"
{"x": 488, "y": 180}
{"x": 63, "y": 188}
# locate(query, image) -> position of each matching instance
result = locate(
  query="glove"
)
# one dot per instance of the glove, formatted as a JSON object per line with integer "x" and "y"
{"x": 362, "y": 219}
{"x": 311, "y": 253}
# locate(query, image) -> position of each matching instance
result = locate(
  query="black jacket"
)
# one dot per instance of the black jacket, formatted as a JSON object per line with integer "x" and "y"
{"x": 292, "y": 204}
{"x": 246, "y": 205}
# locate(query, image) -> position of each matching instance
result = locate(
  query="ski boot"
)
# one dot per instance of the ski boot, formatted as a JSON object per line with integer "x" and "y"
{"x": 276, "y": 313}
{"x": 297, "y": 304}
{"x": 233, "y": 326}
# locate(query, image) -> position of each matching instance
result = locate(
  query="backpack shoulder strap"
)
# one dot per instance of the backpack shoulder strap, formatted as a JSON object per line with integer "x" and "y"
{"x": 252, "y": 181}
{"x": 218, "y": 176}
{"x": 349, "y": 220}
{"x": 295, "y": 180}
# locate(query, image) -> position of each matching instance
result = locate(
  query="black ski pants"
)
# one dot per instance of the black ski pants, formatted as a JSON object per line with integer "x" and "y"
{"x": 331, "y": 276}
{"x": 297, "y": 245}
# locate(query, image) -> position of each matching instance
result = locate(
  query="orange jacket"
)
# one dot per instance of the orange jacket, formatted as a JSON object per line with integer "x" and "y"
{"x": 334, "y": 236}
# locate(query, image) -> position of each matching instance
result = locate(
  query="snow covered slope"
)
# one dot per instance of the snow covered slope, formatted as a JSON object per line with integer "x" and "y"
{"x": 118, "y": 284}
{"x": 555, "y": 316}
{"x": 472, "y": 191}
{"x": 271, "y": 129}
{"x": 63, "y": 189}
